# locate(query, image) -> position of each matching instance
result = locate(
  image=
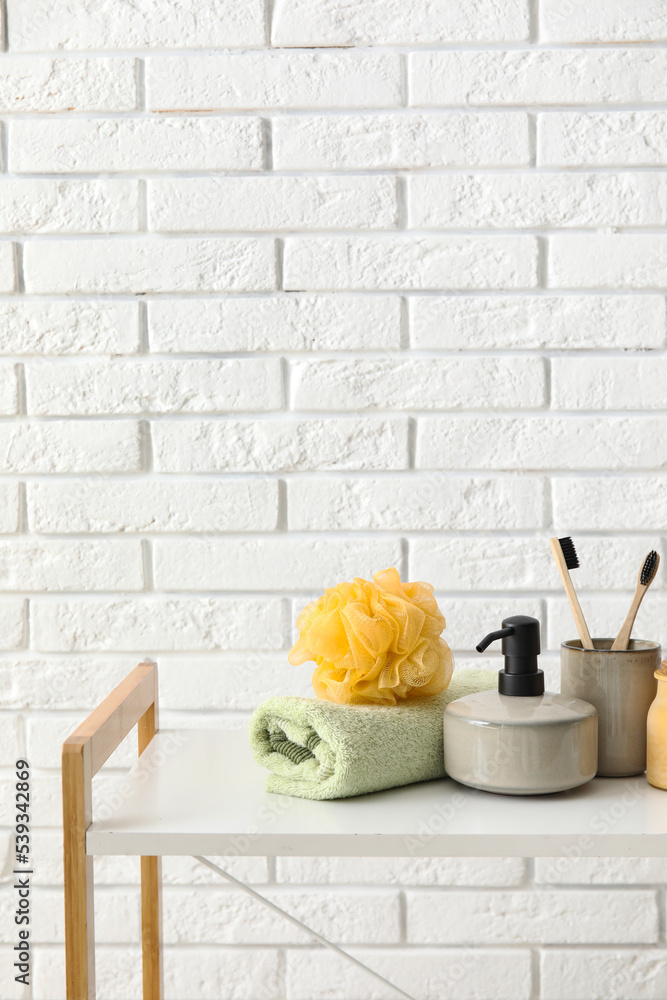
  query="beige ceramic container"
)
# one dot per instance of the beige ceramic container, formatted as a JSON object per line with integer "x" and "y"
{"x": 520, "y": 746}
{"x": 621, "y": 684}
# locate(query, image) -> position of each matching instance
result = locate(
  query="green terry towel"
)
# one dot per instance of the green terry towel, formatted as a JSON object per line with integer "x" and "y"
{"x": 320, "y": 750}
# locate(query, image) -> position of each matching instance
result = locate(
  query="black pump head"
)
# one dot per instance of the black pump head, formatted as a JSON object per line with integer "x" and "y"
{"x": 521, "y": 647}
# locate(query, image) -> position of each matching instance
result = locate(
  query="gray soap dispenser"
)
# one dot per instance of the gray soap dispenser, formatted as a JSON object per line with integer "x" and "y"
{"x": 520, "y": 740}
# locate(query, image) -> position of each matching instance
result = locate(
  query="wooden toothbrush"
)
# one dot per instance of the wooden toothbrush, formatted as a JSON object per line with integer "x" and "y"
{"x": 565, "y": 556}
{"x": 644, "y": 581}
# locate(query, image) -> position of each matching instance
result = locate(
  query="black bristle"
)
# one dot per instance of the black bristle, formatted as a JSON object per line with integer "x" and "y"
{"x": 648, "y": 569}
{"x": 569, "y": 552}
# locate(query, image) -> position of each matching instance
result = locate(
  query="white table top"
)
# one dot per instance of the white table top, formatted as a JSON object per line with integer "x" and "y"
{"x": 203, "y": 794}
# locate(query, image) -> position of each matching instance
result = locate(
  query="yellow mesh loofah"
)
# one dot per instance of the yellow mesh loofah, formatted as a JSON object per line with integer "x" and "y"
{"x": 375, "y": 642}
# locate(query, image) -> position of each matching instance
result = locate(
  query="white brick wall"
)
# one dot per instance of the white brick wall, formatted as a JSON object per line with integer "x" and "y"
{"x": 293, "y": 290}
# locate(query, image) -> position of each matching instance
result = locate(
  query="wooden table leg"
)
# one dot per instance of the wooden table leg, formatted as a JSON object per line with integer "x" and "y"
{"x": 79, "y": 910}
{"x": 151, "y": 888}
{"x": 132, "y": 702}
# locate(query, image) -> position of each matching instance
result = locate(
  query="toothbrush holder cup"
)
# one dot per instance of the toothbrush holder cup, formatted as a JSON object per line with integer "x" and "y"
{"x": 621, "y": 684}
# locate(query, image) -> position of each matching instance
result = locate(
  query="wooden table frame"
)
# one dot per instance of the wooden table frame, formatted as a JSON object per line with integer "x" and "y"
{"x": 133, "y": 702}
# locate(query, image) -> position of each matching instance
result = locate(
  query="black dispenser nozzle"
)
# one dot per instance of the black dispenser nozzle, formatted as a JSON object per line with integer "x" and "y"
{"x": 521, "y": 676}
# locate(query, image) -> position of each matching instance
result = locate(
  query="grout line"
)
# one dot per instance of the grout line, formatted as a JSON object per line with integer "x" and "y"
{"x": 535, "y": 984}
{"x": 282, "y": 516}
{"x": 402, "y": 214}
{"x": 267, "y": 137}
{"x": 533, "y": 21}
{"x": 140, "y": 81}
{"x": 532, "y": 140}
{"x": 18, "y": 264}
{"x": 286, "y": 380}
{"x": 147, "y": 563}
{"x": 404, "y": 565}
{"x": 21, "y": 407}
{"x": 402, "y": 917}
{"x": 146, "y": 446}
{"x": 4, "y": 27}
{"x": 412, "y": 443}
{"x": 542, "y": 262}
{"x": 280, "y": 260}
{"x": 144, "y": 340}
{"x": 404, "y": 324}
{"x": 405, "y": 80}
{"x": 23, "y": 525}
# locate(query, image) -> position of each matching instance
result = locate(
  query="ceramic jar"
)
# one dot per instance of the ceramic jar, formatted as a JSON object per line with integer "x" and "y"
{"x": 621, "y": 684}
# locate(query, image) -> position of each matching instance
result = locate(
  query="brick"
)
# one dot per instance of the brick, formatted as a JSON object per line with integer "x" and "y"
{"x": 330, "y": 22}
{"x": 8, "y": 389}
{"x": 230, "y": 681}
{"x": 541, "y": 442}
{"x": 42, "y": 327}
{"x": 600, "y": 871}
{"x": 552, "y": 76}
{"x": 45, "y": 733}
{"x": 7, "y": 271}
{"x": 414, "y": 502}
{"x": 48, "y": 849}
{"x": 9, "y": 507}
{"x": 548, "y": 917}
{"x": 74, "y": 682}
{"x": 616, "y": 21}
{"x": 260, "y": 203}
{"x": 14, "y": 632}
{"x": 636, "y": 503}
{"x": 11, "y": 738}
{"x": 72, "y": 24}
{"x": 402, "y": 871}
{"x": 64, "y": 206}
{"x": 41, "y": 83}
{"x": 505, "y": 201}
{"x": 605, "y": 615}
{"x": 504, "y": 563}
{"x": 156, "y": 623}
{"x": 70, "y": 446}
{"x": 239, "y": 974}
{"x": 433, "y": 383}
{"x": 288, "y": 322}
{"x": 150, "y": 265}
{"x": 228, "y": 917}
{"x": 400, "y": 262}
{"x": 474, "y": 973}
{"x": 86, "y": 145}
{"x": 597, "y": 138}
{"x": 608, "y": 261}
{"x": 147, "y": 386}
{"x": 273, "y": 79}
{"x": 267, "y": 563}
{"x": 153, "y": 505}
{"x": 117, "y": 916}
{"x": 617, "y": 974}
{"x": 627, "y": 383}
{"x": 27, "y": 564}
{"x": 280, "y": 445}
{"x": 385, "y": 141}
{"x": 573, "y": 322}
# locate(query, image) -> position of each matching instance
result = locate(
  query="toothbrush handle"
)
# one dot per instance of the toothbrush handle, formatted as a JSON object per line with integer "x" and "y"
{"x": 577, "y": 613}
{"x": 622, "y": 640}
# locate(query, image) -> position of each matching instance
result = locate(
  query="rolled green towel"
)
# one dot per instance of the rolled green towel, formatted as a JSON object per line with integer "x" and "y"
{"x": 321, "y": 750}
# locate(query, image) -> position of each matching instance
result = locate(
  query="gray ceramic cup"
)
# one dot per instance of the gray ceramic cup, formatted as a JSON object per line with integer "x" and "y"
{"x": 621, "y": 685}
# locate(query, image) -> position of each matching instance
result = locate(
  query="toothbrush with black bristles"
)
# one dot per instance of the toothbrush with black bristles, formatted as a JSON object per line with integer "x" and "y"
{"x": 566, "y": 559}
{"x": 644, "y": 580}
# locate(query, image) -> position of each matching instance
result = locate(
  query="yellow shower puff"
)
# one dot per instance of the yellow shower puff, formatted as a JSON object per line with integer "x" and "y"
{"x": 374, "y": 642}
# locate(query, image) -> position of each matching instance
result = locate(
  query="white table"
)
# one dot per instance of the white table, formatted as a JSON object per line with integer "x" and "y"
{"x": 199, "y": 792}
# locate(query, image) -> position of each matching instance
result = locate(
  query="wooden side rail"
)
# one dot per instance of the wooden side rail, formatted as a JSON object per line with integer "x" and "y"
{"x": 133, "y": 702}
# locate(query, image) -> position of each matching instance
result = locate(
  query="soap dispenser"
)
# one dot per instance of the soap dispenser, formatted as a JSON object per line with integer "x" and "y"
{"x": 520, "y": 740}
